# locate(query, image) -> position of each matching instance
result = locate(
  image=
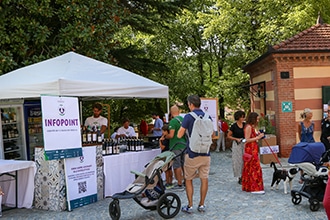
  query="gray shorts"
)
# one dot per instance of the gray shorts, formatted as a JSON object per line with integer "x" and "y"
{"x": 179, "y": 160}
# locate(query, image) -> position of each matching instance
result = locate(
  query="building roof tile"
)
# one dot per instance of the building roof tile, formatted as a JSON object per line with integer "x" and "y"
{"x": 316, "y": 37}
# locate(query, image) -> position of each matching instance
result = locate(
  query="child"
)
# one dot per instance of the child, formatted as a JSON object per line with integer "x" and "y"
{"x": 164, "y": 146}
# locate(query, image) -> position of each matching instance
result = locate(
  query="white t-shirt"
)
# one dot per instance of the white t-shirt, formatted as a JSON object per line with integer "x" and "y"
{"x": 129, "y": 132}
{"x": 113, "y": 136}
{"x": 98, "y": 122}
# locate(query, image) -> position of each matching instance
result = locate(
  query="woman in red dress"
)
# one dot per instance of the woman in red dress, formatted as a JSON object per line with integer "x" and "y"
{"x": 252, "y": 174}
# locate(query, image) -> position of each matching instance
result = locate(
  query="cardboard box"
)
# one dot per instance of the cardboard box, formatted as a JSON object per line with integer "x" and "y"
{"x": 267, "y": 158}
{"x": 270, "y": 139}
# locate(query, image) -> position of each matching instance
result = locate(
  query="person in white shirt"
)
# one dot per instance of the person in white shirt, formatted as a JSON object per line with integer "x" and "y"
{"x": 97, "y": 121}
{"x": 114, "y": 134}
{"x": 126, "y": 130}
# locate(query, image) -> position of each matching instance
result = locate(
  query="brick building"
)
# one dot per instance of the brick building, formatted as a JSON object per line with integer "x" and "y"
{"x": 289, "y": 77}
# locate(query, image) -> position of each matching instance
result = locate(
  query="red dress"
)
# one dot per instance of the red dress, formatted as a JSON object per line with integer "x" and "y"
{"x": 252, "y": 173}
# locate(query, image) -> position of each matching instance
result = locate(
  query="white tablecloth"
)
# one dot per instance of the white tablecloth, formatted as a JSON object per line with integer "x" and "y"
{"x": 117, "y": 169}
{"x": 25, "y": 182}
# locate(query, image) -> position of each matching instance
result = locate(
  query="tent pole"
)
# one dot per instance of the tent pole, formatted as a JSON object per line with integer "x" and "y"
{"x": 81, "y": 119}
{"x": 168, "y": 105}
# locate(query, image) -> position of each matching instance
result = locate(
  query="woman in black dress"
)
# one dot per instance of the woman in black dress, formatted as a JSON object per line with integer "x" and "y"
{"x": 236, "y": 134}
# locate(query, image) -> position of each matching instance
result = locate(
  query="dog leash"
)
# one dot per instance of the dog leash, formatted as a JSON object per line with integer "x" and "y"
{"x": 278, "y": 161}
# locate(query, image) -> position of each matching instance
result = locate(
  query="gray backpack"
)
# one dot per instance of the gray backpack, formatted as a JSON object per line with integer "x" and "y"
{"x": 201, "y": 134}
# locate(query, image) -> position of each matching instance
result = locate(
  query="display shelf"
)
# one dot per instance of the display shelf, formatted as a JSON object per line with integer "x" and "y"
{"x": 12, "y": 150}
{"x": 10, "y": 123}
{"x": 10, "y": 139}
{"x": 12, "y": 132}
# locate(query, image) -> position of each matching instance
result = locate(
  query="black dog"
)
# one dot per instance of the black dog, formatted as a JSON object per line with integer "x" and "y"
{"x": 285, "y": 175}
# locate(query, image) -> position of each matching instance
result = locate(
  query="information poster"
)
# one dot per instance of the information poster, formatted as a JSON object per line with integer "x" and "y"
{"x": 61, "y": 127}
{"x": 210, "y": 106}
{"x": 81, "y": 179}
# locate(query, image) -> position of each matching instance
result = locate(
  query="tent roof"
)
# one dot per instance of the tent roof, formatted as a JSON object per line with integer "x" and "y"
{"x": 72, "y": 74}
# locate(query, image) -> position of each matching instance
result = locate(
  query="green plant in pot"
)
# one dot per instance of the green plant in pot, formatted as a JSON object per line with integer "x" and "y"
{"x": 266, "y": 125}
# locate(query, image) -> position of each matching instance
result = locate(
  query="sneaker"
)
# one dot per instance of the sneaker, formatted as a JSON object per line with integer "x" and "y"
{"x": 201, "y": 208}
{"x": 169, "y": 186}
{"x": 178, "y": 188}
{"x": 258, "y": 192}
{"x": 187, "y": 209}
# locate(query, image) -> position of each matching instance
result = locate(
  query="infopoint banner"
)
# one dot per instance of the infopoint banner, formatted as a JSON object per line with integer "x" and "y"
{"x": 61, "y": 127}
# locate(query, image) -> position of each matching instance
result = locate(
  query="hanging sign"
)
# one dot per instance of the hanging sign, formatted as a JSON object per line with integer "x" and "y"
{"x": 61, "y": 127}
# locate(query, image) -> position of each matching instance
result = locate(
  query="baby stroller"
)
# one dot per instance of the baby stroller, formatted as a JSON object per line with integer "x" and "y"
{"x": 148, "y": 189}
{"x": 309, "y": 157}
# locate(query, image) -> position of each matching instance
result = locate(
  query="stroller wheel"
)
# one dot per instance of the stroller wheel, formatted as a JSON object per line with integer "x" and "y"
{"x": 314, "y": 205}
{"x": 296, "y": 198}
{"x": 114, "y": 209}
{"x": 168, "y": 205}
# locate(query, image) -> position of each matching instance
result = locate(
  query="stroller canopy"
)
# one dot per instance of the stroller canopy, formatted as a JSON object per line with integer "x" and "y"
{"x": 307, "y": 152}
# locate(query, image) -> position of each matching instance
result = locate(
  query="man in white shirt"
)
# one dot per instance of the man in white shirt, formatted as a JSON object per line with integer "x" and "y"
{"x": 97, "y": 121}
{"x": 126, "y": 130}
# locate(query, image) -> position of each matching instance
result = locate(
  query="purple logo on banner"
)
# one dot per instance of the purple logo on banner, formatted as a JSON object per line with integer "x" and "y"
{"x": 61, "y": 110}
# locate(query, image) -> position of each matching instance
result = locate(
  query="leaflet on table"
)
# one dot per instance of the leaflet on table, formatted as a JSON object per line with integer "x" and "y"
{"x": 61, "y": 127}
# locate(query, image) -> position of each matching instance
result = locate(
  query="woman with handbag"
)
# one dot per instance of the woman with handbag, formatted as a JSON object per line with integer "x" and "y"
{"x": 236, "y": 134}
{"x": 252, "y": 174}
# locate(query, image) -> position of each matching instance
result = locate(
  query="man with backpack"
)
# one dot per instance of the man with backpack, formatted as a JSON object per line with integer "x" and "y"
{"x": 197, "y": 160}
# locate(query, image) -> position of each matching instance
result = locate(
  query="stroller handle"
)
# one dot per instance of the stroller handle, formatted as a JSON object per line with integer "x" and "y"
{"x": 181, "y": 142}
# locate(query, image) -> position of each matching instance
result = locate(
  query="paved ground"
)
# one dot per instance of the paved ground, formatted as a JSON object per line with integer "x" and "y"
{"x": 225, "y": 200}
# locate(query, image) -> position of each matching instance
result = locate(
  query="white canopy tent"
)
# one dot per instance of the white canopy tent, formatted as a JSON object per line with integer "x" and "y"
{"x": 72, "y": 74}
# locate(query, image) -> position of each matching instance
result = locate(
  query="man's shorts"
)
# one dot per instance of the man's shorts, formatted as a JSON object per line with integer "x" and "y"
{"x": 197, "y": 167}
{"x": 178, "y": 161}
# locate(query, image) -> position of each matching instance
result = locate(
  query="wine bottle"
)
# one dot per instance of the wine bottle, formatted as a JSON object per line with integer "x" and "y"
{"x": 94, "y": 135}
{"x": 142, "y": 145}
{"x": 99, "y": 135}
{"x": 89, "y": 134}
{"x": 84, "y": 135}
{"x": 104, "y": 147}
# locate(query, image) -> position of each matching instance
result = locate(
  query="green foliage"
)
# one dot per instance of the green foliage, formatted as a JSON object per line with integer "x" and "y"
{"x": 32, "y": 31}
{"x": 264, "y": 122}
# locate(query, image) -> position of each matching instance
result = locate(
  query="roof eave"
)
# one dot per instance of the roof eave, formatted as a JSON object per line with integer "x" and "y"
{"x": 272, "y": 51}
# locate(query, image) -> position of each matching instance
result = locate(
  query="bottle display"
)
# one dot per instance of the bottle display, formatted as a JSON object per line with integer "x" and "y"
{"x": 91, "y": 135}
{"x": 13, "y": 144}
{"x": 110, "y": 147}
{"x": 34, "y": 137}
